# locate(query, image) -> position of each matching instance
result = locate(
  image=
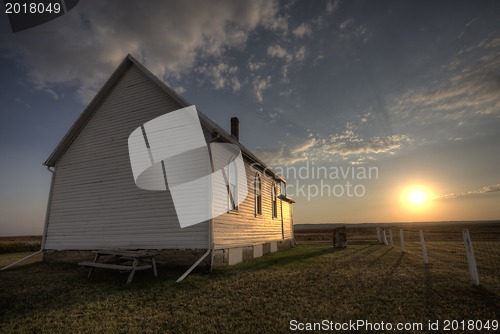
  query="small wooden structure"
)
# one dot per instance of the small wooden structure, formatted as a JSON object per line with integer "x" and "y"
{"x": 340, "y": 237}
{"x": 124, "y": 261}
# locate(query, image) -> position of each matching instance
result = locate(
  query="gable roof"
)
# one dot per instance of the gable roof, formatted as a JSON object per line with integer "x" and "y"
{"x": 108, "y": 86}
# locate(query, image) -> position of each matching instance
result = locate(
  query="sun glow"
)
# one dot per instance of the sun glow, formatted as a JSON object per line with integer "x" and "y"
{"x": 416, "y": 198}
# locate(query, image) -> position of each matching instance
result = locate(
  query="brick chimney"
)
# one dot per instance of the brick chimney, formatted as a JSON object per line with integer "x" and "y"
{"x": 235, "y": 128}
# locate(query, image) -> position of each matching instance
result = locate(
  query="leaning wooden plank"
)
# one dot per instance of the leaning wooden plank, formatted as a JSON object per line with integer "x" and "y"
{"x": 134, "y": 268}
{"x": 114, "y": 266}
{"x": 153, "y": 263}
{"x": 144, "y": 267}
{"x": 96, "y": 259}
{"x": 142, "y": 253}
{"x": 130, "y": 277}
{"x": 105, "y": 265}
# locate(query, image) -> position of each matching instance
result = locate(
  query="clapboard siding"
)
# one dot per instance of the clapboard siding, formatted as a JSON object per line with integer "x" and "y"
{"x": 95, "y": 202}
{"x": 244, "y": 227}
{"x": 287, "y": 220}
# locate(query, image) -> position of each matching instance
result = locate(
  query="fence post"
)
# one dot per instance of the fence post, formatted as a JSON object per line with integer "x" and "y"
{"x": 379, "y": 236}
{"x": 424, "y": 249}
{"x": 402, "y": 238}
{"x": 384, "y": 237}
{"x": 391, "y": 239}
{"x": 471, "y": 260}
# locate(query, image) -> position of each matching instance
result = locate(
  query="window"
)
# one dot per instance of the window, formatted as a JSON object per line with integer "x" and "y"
{"x": 258, "y": 194}
{"x": 274, "y": 200}
{"x": 283, "y": 188}
{"x": 232, "y": 194}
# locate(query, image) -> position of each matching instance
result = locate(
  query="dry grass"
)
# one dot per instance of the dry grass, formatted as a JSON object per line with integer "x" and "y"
{"x": 309, "y": 283}
{"x": 20, "y": 244}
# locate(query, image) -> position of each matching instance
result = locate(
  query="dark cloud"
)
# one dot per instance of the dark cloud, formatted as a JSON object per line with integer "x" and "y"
{"x": 84, "y": 46}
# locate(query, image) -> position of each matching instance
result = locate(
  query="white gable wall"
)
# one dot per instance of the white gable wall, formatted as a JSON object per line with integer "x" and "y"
{"x": 95, "y": 202}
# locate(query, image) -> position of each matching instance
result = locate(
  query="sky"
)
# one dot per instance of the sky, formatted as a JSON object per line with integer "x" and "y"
{"x": 356, "y": 103}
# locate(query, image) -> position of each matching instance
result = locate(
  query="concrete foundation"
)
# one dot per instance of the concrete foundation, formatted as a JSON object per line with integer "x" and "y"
{"x": 257, "y": 251}
{"x": 231, "y": 256}
{"x": 185, "y": 258}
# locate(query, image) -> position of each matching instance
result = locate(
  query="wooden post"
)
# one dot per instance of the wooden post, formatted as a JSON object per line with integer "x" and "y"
{"x": 379, "y": 236}
{"x": 424, "y": 249}
{"x": 96, "y": 259}
{"x": 471, "y": 260}
{"x": 402, "y": 238}
{"x": 391, "y": 239}
{"x": 384, "y": 236}
{"x": 132, "y": 272}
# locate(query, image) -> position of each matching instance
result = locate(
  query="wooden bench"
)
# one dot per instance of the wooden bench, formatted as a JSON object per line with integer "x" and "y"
{"x": 131, "y": 261}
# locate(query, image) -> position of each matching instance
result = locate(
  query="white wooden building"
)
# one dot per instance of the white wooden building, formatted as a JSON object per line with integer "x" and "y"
{"x": 95, "y": 204}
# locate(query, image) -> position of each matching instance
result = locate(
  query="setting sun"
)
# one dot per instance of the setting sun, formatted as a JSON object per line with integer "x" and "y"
{"x": 416, "y": 198}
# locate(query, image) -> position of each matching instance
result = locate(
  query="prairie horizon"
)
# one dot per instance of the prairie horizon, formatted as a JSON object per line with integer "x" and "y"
{"x": 324, "y": 225}
{"x": 423, "y": 223}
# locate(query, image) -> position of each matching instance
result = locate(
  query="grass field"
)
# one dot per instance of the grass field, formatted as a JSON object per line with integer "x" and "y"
{"x": 309, "y": 283}
{"x": 20, "y": 244}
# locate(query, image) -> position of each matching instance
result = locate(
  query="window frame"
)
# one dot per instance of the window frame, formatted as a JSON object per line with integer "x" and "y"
{"x": 274, "y": 200}
{"x": 283, "y": 188}
{"x": 257, "y": 187}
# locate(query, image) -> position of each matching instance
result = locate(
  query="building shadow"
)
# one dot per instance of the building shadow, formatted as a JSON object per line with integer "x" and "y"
{"x": 385, "y": 284}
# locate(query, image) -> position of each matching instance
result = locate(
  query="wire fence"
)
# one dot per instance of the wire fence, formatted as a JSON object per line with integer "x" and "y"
{"x": 468, "y": 254}
{"x": 473, "y": 254}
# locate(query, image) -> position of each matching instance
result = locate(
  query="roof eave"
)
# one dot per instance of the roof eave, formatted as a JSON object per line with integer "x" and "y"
{"x": 286, "y": 199}
{"x": 250, "y": 155}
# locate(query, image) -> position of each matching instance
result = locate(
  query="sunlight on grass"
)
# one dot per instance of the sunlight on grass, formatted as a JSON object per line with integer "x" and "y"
{"x": 309, "y": 282}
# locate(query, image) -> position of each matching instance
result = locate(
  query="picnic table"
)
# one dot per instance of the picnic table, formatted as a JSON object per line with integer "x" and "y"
{"x": 124, "y": 260}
